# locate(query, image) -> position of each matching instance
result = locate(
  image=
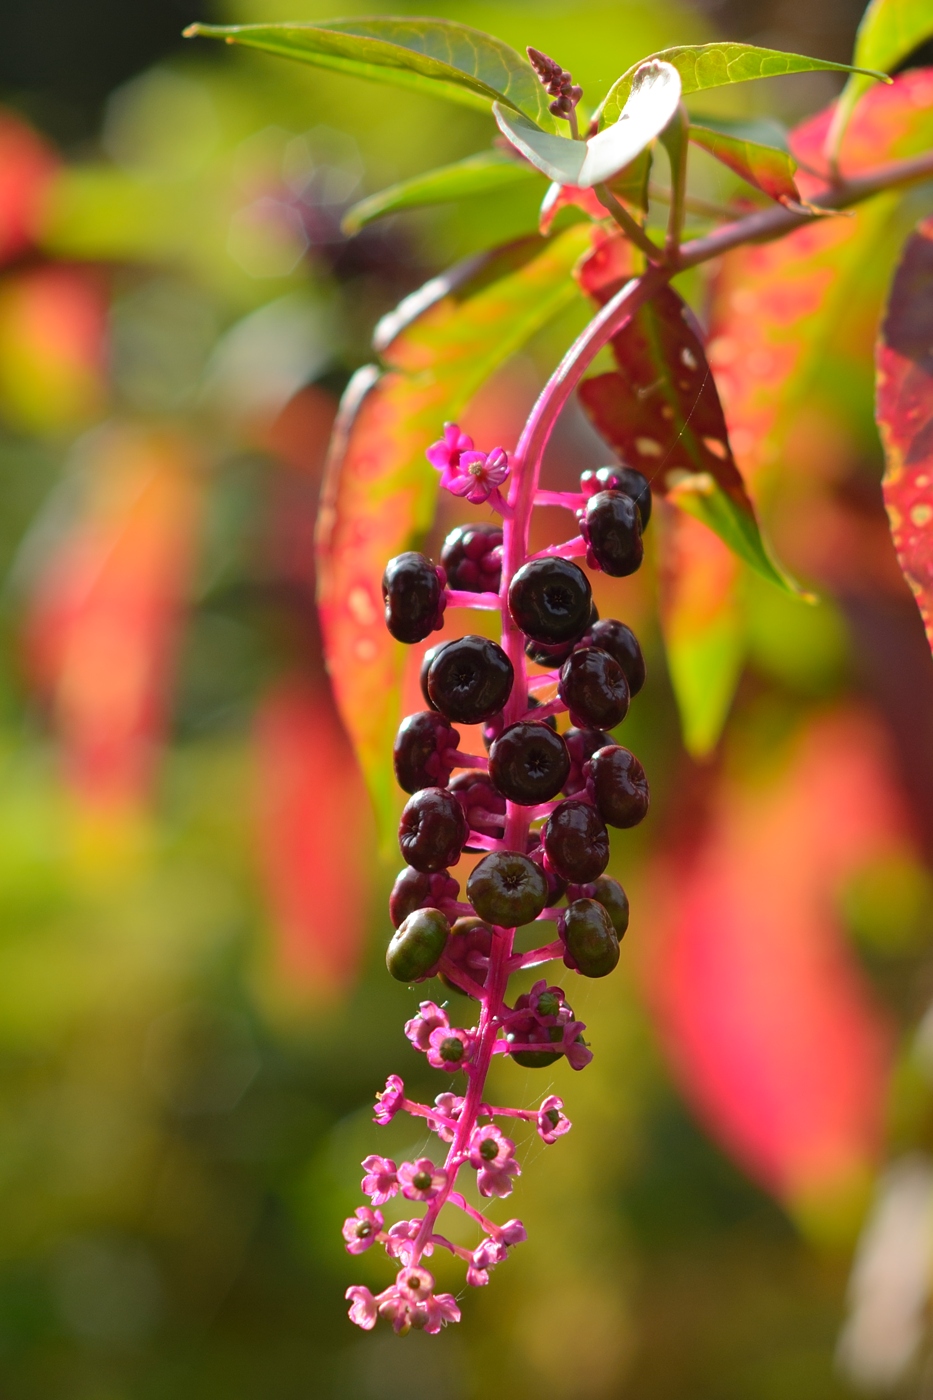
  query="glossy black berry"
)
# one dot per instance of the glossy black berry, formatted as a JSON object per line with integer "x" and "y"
{"x": 548, "y": 654}
{"x": 594, "y": 689}
{"x": 576, "y": 842}
{"x": 581, "y": 745}
{"x": 468, "y": 950}
{"x": 421, "y": 755}
{"x": 555, "y": 885}
{"x": 622, "y": 645}
{"x": 494, "y": 728}
{"x": 433, "y": 830}
{"x": 507, "y": 889}
{"x": 417, "y": 944}
{"x": 625, "y": 479}
{"x": 411, "y": 591}
{"x": 529, "y": 763}
{"x": 617, "y": 783}
{"x": 610, "y": 894}
{"x": 472, "y": 558}
{"x": 470, "y": 680}
{"x": 611, "y": 527}
{"x": 550, "y": 600}
{"x": 589, "y": 938}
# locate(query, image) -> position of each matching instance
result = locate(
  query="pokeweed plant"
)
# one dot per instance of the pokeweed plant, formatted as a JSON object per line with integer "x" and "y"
{"x": 538, "y": 806}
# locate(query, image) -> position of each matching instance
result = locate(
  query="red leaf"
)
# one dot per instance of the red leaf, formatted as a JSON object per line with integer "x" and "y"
{"x": 905, "y": 416}
{"x": 765, "y": 167}
{"x": 107, "y": 608}
{"x": 27, "y": 167}
{"x": 314, "y": 837}
{"x": 770, "y": 1026}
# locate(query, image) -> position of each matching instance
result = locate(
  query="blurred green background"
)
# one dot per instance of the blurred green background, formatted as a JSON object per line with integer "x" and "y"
{"x": 188, "y": 1053}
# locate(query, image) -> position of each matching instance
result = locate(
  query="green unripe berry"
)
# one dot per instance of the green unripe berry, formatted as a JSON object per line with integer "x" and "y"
{"x": 507, "y": 889}
{"x": 590, "y": 938}
{"x": 537, "y": 1059}
{"x": 611, "y": 895}
{"x": 417, "y": 945}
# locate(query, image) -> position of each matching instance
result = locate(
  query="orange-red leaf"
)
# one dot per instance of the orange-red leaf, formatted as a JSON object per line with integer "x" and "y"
{"x": 905, "y": 416}
{"x": 772, "y": 1030}
{"x": 765, "y": 167}
{"x": 107, "y": 610}
{"x": 314, "y": 837}
{"x": 27, "y": 167}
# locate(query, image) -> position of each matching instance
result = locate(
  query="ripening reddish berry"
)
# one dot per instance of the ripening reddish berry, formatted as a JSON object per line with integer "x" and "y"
{"x": 594, "y": 689}
{"x": 576, "y": 842}
{"x": 472, "y": 558}
{"x": 433, "y": 830}
{"x": 618, "y": 785}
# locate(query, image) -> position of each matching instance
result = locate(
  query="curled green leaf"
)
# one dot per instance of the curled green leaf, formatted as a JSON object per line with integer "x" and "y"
{"x": 768, "y": 169}
{"x": 436, "y": 56}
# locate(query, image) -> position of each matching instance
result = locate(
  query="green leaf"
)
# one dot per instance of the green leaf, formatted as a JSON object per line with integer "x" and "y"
{"x": 765, "y": 167}
{"x": 427, "y": 55}
{"x": 701, "y": 496}
{"x": 889, "y": 31}
{"x": 652, "y": 101}
{"x": 715, "y": 65}
{"x": 380, "y": 492}
{"x": 766, "y": 131}
{"x": 479, "y": 174}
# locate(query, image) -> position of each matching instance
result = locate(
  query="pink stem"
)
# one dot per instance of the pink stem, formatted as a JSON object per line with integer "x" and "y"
{"x": 463, "y": 598}
{"x": 570, "y": 549}
{"x": 547, "y": 953}
{"x": 550, "y": 707}
{"x": 568, "y": 500}
{"x": 466, "y": 760}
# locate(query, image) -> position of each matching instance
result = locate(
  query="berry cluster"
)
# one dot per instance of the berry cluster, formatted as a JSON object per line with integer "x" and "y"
{"x": 557, "y": 82}
{"x": 538, "y": 806}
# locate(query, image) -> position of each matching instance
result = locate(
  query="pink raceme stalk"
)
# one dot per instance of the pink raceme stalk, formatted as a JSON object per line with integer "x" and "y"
{"x": 540, "y": 845}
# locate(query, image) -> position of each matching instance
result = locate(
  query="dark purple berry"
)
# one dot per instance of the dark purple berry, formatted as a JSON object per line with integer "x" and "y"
{"x": 611, "y": 527}
{"x": 581, "y": 745}
{"x": 610, "y": 894}
{"x": 470, "y": 680}
{"x": 555, "y": 885}
{"x": 507, "y": 889}
{"x": 433, "y": 830}
{"x": 416, "y": 946}
{"x": 622, "y": 645}
{"x": 472, "y": 557}
{"x": 468, "y": 950}
{"x": 550, "y": 600}
{"x": 414, "y": 890}
{"x": 412, "y": 593}
{"x": 616, "y": 781}
{"x": 576, "y": 842}
{"x": 493, "y": 729}
{"x": 529, "y": 763}
{"x": 590, "y": 939}
{"x": 594, "y": 689}
{"x": 548, "y": 654}
{"x": 426, "y": 662}
{"x": 483, "y": 806}
{"x": 625, "y": 479}
{"x": 422, "y": 751}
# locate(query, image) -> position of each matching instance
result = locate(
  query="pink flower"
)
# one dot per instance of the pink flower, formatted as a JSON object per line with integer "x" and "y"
{"x": 489, "y": 1253}
{"x": 363, "y": 1308}
{"x": 381, "y": 1181}
{"x": 445, "y": 454}
{"x": 475, "y": 1277}
{"x": 552, "y": 1122}
{"x": 575, "y": 1047}
{"x": 430, "y": 1018}
{"x": 361, "y": 1228}
{"x": 451, "y": 1106}
{"x": 449, "y": 1048}
{"x": 491, "y": 1154}
{"x": 421, "y": 1180}
{"x": 402, "y": 1234}
{"x": 440, "y": 1309}
{"x": 415, "y": 1283}
{"x": 478, "y": 475}
{"x": 390, "y": 1100}
{"x": 513, "y": 1232}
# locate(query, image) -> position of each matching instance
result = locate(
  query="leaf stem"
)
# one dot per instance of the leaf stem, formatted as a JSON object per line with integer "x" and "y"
{"x": 629, "y": 226}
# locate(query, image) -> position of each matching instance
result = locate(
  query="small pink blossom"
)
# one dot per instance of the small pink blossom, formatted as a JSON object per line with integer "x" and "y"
{"x": 390, "y": 1100}
{"x": 381, "y": 1180}
{"x": 491, "y": 1154}
{"x": 489, "y": 1253}
{"x": 417, "y": 1283}
{"x": 475, "y": 1277}
{"x": 431, "y": 1017}
{"x": 451, "y": 1106}
{"x": 421, "y": 1180}
{"x": 478, "y": 475}
{"x": 439, "y": 1309}
{"x": 513, "y": 1232}
{"x": 361, "y": 1228}
{"x": 575, "y": 1047}
{"x": 449, "y": 1048}
{"x": 445, "y": 454}
{"x": 552, "y": 1121}
{"x": 400, "y": 1244}
{"x": 363, "y": 1308}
